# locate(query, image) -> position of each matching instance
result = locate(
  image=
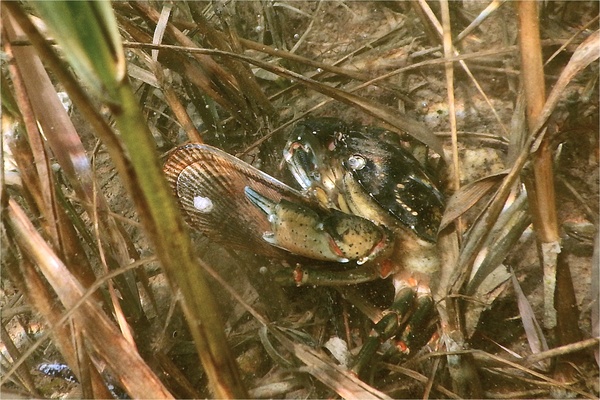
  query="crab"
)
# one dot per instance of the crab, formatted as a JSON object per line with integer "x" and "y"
{"x": 362, "y": 202}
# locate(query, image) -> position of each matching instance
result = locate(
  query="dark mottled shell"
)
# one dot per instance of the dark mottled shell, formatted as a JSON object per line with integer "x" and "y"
{"x": 398, "y": 184}
{"x": 209, "y": 186}
{"x": 381, "y": 182}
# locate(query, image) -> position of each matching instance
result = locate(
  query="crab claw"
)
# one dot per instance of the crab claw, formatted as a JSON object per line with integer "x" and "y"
{"x": 327, "y": 235}
{"x": 302, "y": 163}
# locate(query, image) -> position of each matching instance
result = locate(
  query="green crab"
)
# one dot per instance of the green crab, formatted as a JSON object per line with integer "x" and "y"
{"x": 362, "y": 202}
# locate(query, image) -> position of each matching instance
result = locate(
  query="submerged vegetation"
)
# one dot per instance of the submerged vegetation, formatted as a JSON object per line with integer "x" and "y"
{"x": 107, "y": 292}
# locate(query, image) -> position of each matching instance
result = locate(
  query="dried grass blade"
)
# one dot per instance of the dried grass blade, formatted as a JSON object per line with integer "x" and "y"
{"x": 390, "y": 118}
{"x": 562, "y": 350}
{"x": 40, "y": 180}
{"x": 595, "y": 294}
{"x": 423, "y": 379}
{"x": 287, "y": 55}
{"x": 449, "y": 69}
{"x": 489, "y": 275}
{"x": 136, "y": 377}
{"x": 506, "y": 232}
{"x": 161, "y": 26}
{"x": 157, "y": 210}
{"x": 40, "y": 184}
{"x": 64, "y": 141}
{"x": 483, "y": 15}
{"x": 541, "y": 189}
{"x": 231, "y": 42}
{"x": 434, "y": 21}
{"x": 191, "y": 71}
{"x": 533, "y": 330}
{"x": 32, "y": 285}
{"x": 225, "y": 82}
{"x": 467, "y": 196}
{"x": 23, "y": 375}
{"x": 67, "y": 147}
{"x": 176, "y": 106}
{"x": 345, "y": 384}
{"x": 483, "y": 357}
{"x": 84, "y": 362}
{"x": 142, "y": 74}
{"x": 586, "y": 53}
{"x": 581, "y": 29}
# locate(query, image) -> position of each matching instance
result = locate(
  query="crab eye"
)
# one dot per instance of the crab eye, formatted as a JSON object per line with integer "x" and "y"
{"x": 356, "y": 162}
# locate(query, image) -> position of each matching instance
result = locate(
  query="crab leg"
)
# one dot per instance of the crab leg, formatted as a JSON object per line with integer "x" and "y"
{"x": 408, "y": 319}
{"x": 304, "y": 276}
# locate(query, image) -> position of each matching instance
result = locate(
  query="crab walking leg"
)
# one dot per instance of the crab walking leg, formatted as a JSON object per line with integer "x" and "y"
{"x": 408, "y": 320}
{"x": 307, "y": 276}
{"x": 421, "y": 325}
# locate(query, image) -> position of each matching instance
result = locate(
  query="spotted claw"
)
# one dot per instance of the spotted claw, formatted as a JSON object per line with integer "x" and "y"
{"x": 325, "y": 235}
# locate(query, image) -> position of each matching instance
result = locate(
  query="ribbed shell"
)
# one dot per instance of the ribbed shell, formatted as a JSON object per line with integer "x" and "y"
{"x": 209, "y": 186}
